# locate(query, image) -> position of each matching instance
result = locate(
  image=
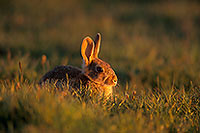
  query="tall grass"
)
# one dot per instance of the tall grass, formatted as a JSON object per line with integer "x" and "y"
{"x": 26, "y": 107}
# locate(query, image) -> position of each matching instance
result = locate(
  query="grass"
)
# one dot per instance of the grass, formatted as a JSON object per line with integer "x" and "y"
{"x": 152, "y": 46}
{"x": 28, "y": 108}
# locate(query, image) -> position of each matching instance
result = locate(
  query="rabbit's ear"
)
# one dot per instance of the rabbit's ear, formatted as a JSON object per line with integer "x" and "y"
{"x": 87, "y": 49}
{"x": 97, "y": 45}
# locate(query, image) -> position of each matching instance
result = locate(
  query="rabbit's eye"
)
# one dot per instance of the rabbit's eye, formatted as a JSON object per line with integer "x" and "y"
{"x": 99, "y": 69}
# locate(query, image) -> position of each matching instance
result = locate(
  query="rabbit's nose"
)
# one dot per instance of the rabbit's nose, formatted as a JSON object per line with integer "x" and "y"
{"x": 114, "y": 80}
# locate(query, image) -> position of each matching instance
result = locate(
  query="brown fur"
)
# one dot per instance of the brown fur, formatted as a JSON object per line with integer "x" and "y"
{"x": 103, "y": 81}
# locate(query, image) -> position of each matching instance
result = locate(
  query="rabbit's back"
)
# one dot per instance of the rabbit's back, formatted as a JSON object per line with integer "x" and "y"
{"x": 62, "y": 73}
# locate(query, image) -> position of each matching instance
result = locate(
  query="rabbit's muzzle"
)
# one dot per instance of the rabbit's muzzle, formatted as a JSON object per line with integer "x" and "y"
{"x": 111, "y": 80}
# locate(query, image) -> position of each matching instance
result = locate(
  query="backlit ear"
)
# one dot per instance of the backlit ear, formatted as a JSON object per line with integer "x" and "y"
{"x": 97, "y": 45}
{"x": 87, "y": 49}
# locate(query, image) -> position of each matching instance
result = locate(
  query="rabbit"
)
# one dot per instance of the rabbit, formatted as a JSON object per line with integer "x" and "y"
{"x": 95, "y": 72}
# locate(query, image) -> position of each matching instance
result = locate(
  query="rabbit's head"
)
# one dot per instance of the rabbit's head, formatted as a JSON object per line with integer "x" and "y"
{"x": 94, "y": 68}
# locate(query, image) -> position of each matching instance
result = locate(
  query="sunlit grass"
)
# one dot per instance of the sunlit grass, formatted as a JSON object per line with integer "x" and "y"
{"x": 28, "y": 107}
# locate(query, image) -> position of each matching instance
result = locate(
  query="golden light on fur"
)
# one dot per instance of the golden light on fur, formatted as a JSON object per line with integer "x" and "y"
{"x": 95, "y": 72}
{"x": 87, "y": 49}
{"x": 97, "y": 45}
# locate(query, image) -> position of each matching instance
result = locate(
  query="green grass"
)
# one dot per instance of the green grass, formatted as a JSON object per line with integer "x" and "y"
{"x": 152, "y": 46}
{"x": 26, "y": 107}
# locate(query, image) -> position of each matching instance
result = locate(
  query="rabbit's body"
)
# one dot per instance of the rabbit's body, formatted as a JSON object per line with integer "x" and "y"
{"x": 95, "y": 73}
{"x": 62, "y": 73}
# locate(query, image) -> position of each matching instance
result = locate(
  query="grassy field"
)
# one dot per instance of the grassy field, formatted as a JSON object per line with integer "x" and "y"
{"x": 153, "y": 46}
